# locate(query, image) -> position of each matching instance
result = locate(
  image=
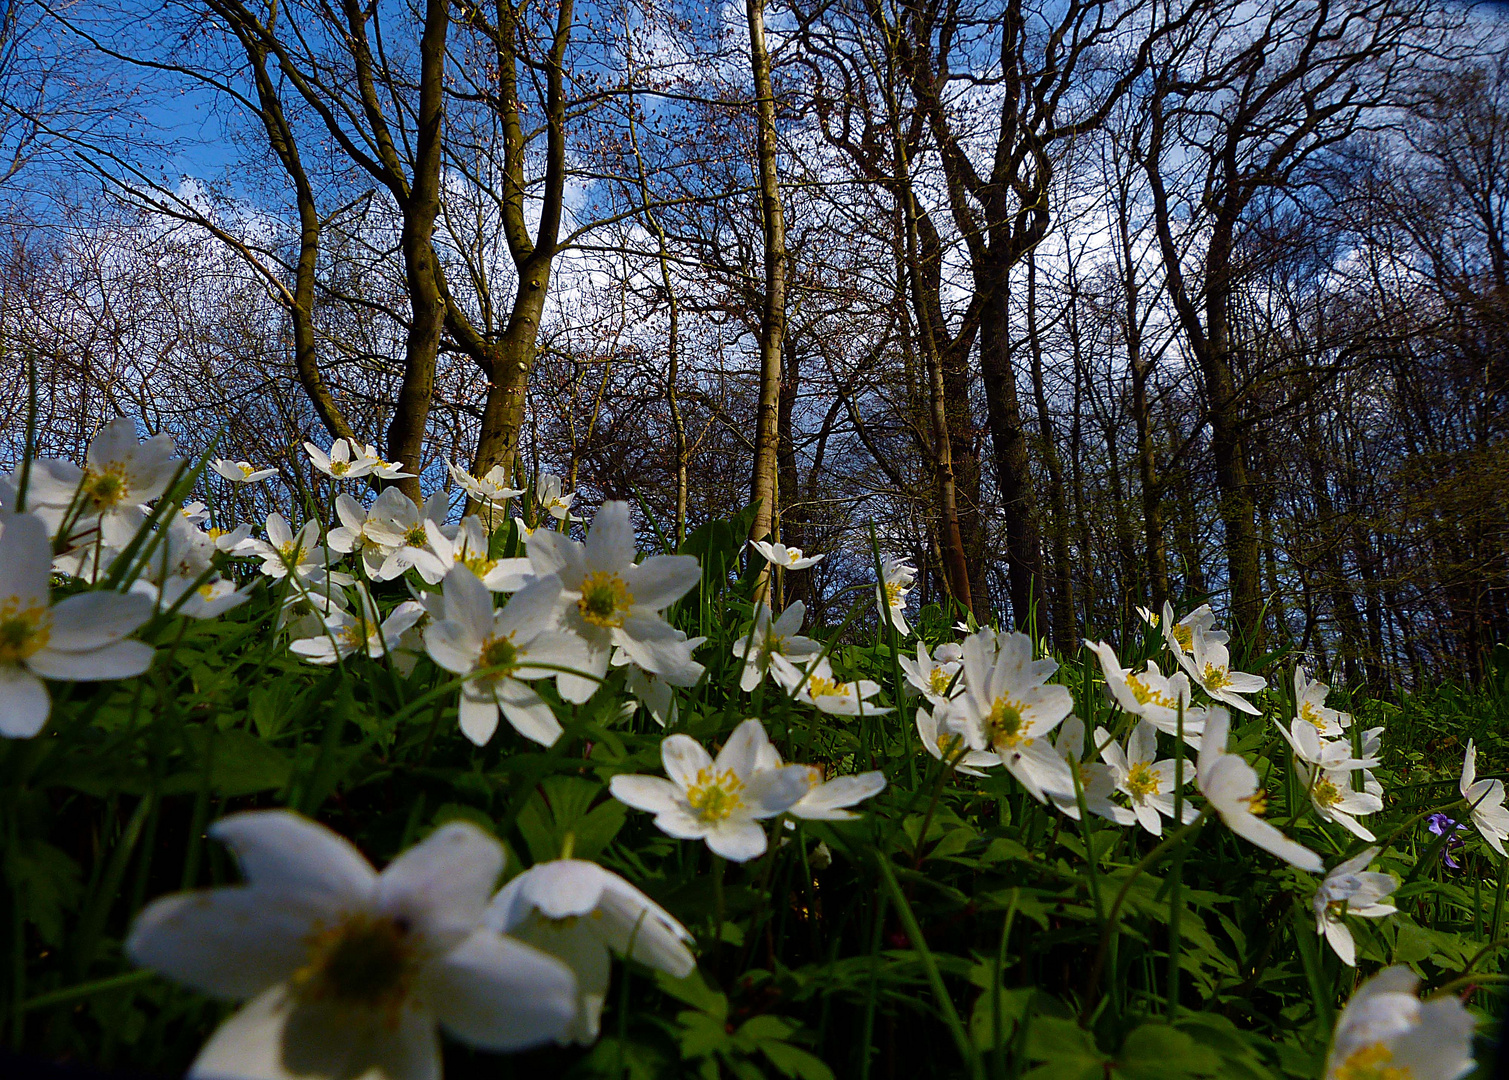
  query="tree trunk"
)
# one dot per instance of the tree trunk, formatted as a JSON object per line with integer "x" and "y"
{"x": 421, "y": 267}
{"x": 763, "y": 480}
{"x": 1024, "y": 558}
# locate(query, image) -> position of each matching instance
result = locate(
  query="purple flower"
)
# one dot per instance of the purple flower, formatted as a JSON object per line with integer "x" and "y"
{"x": 1440, "y": 824}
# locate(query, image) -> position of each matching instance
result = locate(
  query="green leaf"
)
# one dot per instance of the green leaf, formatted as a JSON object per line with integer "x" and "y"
{"x": 796, "y": 1062}
{"x": 1156, "y": 1050}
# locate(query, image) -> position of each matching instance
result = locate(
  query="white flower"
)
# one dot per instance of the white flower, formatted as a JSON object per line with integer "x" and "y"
{"x": 1349, "y": 889}
{"x": 944, "y": 744}
{"x": 363, "y": 631}
{"x": 1147, "y": 783}
{"x": 813, "y": 683}
{"x": 241, "y": 472}
{"x": 309, "y": 602}
{"x": 338, "y": 463}
{"x": 346, "y": 972}
{"x": 764, "y": 639}
{"x": 781, "y": 555}
{"x": 548, "y": 497}
{"x": 720, "y": 801}
{"x": 826, "y": 800}
{"x": 494, "y": 650}
{"x": 1387, "y": 1033}
{"x": 1372, "y": 748}
{"x": 1179, "y": 636}
{"x": 1310, "y": 706}
{"x": 1096, "y": 781}
{"x": 1334, "y": 800}
{"x": 1486, "y": 798}
{"x": 933, "y": 675}
{"x": 469, "y": 548}
{"x": 1231, "y": 786}
{"x": 284, "y": 551}
{"x": 81, "y": 639}
{"x": 362, "y": 530}
{"x": 581, "y": 913}
{"x": 1007, "y": 707}
{"x": 119, "y": 475}
{"x": 1331, "y": 755}
{"x": 491, "y": 489}
{"x": 1209, "y": 664}
{"x": 896, "y": 578}
{"x": 208, "y": 600}
{"x": 387, "y": 470}
{"x": 179, "y": 574}
{"x": 195, "y": 513}
{"x": 235, "y": 541}
{"x": 610, "y": 601}
{"x": 401, "y": 526}
{"x": 1150, "y": 694}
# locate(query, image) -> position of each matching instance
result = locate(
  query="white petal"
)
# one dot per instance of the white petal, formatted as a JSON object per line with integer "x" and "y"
{"x": 119, "y": 661}
{"x": 25, "y": 560}
{"x": 661, "y": 580}
{"x": 1340, "y": 939}
{"x": 683, "y": 757}
{"x": 230, "y": 943}
{"x": 558, "y": 889}
{"x": 738, "y": 841}
{"x": 771, "y": 791}
{"x": 499, "y": 994}
{"x": 649, "y": 793}
{"x": 742, "y": 751}
{"x": 442, "y": 885}
{"x": 530, "y": 715}
{"x": 24, "y": 704}
{"x": 478, "y": 716}
{"x": 610, "y": 541}
{"x": 842, "y": 791}
{"x": 281, "y": 850}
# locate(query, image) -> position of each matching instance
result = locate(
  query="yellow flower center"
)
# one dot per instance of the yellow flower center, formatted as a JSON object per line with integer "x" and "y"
{"x": 292, "y": 552}
{"x": 1184, "y": 636}
{"x": 416, "y": 537}
{"x": 1326, "y": 794}
{"x": 207, "y": 590}
{"x": 947, "y": 742}
{"x": 1257, "y": 803}
{"x": 215, "y": 532}
{"x": 246, "y": 470}
{"x": 1145, "y": 694}
{"x": 1307, "y": 711}
{"x": 775, "y": 644}
{"x": 1004, "y": 724}
{"x": 1142, "y": 781}
{"x": 1372, "y": 1063}
{"x": 1215, "y": 677}
{"x": 938, "y": 681}
{"x": 103, "y": 489}
{"x": 715, "y": 796}
{"x": 893, "y": 597}
{"x": 339, "y": 468}
{"x": 23, "y": 630}
{"x": 353, "y": 636}
{"x": 480, "y": 565}
{"x": 605, "y": 599}
{"x": 366, "y": 961}
{"x": 500, "y": 653}
{"x": 817, "y": 686}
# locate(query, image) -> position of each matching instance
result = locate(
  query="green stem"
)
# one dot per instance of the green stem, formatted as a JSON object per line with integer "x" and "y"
{"x": 930, "y": 967}
{"x": 1092, "y": 987}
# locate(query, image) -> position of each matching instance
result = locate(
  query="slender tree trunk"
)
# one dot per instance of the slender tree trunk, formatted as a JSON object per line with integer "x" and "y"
{"x": 1058, "y": 514}
{"x": 763, "y": 480}
{"x": 1024, "y": 549}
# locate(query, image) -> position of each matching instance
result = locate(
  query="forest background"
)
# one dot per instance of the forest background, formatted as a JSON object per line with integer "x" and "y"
{"x": 1082, "y": 305}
